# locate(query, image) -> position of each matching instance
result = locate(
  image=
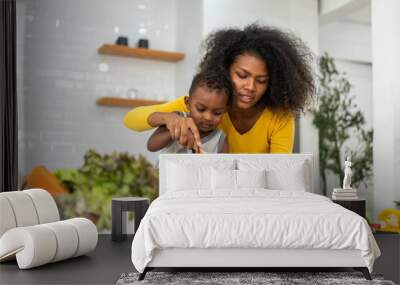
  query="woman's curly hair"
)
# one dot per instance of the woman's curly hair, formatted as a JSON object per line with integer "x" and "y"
{"x": 291, "y": 82}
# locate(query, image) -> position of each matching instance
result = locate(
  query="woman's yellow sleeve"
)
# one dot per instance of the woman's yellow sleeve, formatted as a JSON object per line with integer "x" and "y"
{"x": 282, "y": 138}
{"x": 137, "y": 118}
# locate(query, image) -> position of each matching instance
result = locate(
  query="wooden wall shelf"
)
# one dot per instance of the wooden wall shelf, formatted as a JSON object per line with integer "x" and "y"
{"x": 125, "y": 102}
{"x": 144, "y": 53}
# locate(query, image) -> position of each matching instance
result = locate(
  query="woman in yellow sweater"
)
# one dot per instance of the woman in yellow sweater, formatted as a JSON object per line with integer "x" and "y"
{"x": 272, "y": 80}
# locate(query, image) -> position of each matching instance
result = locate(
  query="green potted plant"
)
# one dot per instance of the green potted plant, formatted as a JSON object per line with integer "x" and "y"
{"x": 337, "y": 118}
{"x": 101, "y": 178}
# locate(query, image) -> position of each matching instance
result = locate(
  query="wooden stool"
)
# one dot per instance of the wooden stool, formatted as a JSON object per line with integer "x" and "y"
{"x": 138, "y": 205}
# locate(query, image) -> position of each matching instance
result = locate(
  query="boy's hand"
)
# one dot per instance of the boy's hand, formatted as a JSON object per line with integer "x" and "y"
{"x": 183, "y": 130}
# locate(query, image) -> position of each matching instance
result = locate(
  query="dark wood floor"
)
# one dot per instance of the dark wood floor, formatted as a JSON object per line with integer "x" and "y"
{"x": 102, "y": 266}
{"x": 110, "y": 259}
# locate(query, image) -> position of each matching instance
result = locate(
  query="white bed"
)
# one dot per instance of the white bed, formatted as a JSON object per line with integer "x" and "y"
{"x": 247, "y": 211}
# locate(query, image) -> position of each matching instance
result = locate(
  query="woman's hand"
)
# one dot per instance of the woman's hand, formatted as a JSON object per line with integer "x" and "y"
{"x": 184, "y": 131}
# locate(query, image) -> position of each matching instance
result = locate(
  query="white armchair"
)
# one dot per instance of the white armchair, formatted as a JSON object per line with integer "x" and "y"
{"x": 31, "y": 230}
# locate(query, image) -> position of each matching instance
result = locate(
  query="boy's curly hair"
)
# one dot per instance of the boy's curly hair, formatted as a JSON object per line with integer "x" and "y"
{"x": 289, "y": 61}
{"x": 213, "y": 79}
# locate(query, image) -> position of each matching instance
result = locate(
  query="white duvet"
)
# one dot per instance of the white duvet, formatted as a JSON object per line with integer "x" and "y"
{"x": 254, "y": 218}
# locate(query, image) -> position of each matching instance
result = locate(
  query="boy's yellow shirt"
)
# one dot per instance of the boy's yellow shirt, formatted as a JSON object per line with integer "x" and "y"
{"x": 272, "y": 133}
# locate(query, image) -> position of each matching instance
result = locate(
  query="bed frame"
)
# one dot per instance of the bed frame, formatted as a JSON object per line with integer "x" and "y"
{"x": 246, "y": 259}
{"x": 242, "y": 259}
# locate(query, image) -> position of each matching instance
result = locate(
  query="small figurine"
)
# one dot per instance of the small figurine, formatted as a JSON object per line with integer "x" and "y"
{"x": 347, "y": 174}
{"x": 347, "y": 192}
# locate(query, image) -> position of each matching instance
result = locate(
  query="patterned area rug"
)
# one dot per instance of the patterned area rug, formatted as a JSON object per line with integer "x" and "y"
{"x": 230, "y": 278}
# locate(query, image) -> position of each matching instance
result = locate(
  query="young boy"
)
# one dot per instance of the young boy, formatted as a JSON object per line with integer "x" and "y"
{"x": 208, "y": 98}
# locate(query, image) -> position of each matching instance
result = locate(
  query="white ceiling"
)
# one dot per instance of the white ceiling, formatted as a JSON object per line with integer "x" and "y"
{"x": 357, "y": 11}
{"x": 361, "y": 15}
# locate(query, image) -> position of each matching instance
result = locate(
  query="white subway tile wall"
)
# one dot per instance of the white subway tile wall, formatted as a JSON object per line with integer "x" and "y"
{"x": 60, "y": 76}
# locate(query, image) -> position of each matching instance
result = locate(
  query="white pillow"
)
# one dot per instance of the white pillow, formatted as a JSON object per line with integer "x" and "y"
{"x": 251, "y": 178}
{"x": 225, "y": 179}
{"x": 293, "y": 180}
{"x": 183, "y": 178}
{"x": 282, "y": 174}
{"x": 186, "y": 175}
